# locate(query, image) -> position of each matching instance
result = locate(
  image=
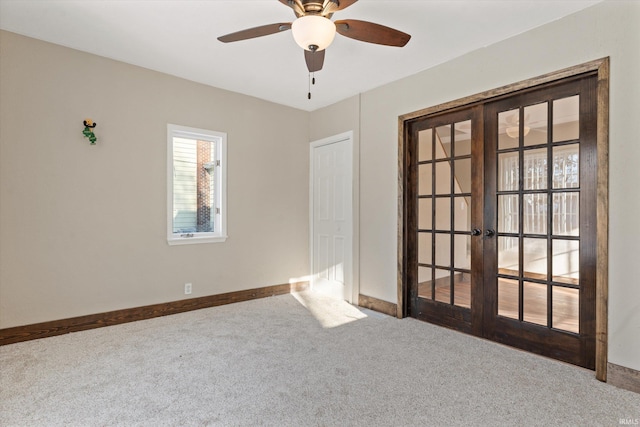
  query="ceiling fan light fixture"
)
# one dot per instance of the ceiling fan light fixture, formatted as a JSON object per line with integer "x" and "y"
{"x": 313, "y": 30}
{"x": 512, "y": 131}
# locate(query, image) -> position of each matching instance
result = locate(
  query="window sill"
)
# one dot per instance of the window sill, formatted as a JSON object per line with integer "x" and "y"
{"x": 195, "y": 240}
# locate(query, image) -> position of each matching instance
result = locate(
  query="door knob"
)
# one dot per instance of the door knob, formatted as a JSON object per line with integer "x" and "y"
{"x": 489, "y": 232}
{"x": 476, "y": 232}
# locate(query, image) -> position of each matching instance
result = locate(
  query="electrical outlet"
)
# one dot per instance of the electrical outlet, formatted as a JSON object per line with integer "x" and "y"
{"x": 187, "y": 288}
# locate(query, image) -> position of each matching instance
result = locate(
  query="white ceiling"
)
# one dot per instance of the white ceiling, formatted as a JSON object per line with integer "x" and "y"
{"x": 178, "y": 37}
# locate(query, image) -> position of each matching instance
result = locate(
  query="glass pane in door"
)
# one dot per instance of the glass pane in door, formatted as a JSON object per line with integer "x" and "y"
{"x": 443, "y": 213}
{"x": 565, "y": 309}
{"x": 443, "y": 142}
{"x": 463, "y": 138}
{"x": 508, "y": 298}
{"x": 534, "y": 213}
{"x": 425, "y": 253}
{"x": 462, "y": 287}
{"x": 443, "y": 286}
{"x": 508, "y": 171}
{"x": 443, "y": 249}
{"x": 566, "y": 214}
{"x": 508, "y": 213}
{"x": 462, "y": 251}
{"x": 534, "y": 306}
{"x": 425, "y": 179}
{"x": 462, "y": 181}
{"x": 425, "y": 145}
{"x": 425, "y": 283}
{"x": 425, "y": 214}
{"x": 566, "y": 166}
{"x": 462, "y": 210}
{"x": 508, "y": 129}
{"x": 535, "y": 124}
{"x": 443, "y": 178}
{"x": 508, "y": 256}
{"x": 566, "y": 261}
{"x": 535, "y": 169}
{"x": 566, "y": 119}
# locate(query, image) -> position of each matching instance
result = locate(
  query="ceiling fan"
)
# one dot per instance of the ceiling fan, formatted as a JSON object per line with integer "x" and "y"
{"x": 511, "y": 125}
{"x": 314, "y": 31}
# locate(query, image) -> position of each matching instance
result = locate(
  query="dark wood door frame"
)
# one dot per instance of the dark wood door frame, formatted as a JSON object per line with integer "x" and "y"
{"x": 600, "y": 68}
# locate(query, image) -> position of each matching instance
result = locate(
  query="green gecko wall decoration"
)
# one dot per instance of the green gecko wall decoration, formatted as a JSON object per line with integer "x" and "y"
{"x": 88, "y": 132}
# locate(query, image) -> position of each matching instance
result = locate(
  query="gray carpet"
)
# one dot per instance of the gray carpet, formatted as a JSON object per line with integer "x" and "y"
{"x": 294, "y": 360}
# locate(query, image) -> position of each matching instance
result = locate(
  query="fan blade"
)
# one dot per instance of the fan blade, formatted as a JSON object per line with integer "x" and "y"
{"x": 251, "y": 33}
{"x": 296, "y": 5}
{"x": 371, "y": 33}
{"x": 314, "y": 60}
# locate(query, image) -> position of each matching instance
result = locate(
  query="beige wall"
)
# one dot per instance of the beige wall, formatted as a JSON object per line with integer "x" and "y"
{"x": 83, "y": 228}
{"x": 607, "y": 29}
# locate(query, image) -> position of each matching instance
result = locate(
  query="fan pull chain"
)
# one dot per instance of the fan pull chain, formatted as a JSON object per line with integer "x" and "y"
{"x": 312, "y": 81}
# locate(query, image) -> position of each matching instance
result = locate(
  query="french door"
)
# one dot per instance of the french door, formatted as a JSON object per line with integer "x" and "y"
{"x": 443, "y": 254}
{"x": 501, "y": 220}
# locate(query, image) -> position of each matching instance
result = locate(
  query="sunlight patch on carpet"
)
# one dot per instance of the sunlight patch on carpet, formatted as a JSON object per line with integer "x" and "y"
{"x": 329, "y": 312}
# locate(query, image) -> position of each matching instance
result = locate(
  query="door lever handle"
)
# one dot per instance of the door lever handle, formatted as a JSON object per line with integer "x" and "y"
{"x": 476, "y": 232}
{"x": 489, "y": 232}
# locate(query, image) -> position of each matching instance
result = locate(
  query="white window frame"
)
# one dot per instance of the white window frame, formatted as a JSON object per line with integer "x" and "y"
{"x": 220, "y": 182}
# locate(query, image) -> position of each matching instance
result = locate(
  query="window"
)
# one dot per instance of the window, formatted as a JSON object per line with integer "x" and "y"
{"x": 196, "y": 185}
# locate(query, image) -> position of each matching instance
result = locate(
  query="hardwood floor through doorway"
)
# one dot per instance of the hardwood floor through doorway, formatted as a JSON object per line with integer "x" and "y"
{"x": 565, "y": 301}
